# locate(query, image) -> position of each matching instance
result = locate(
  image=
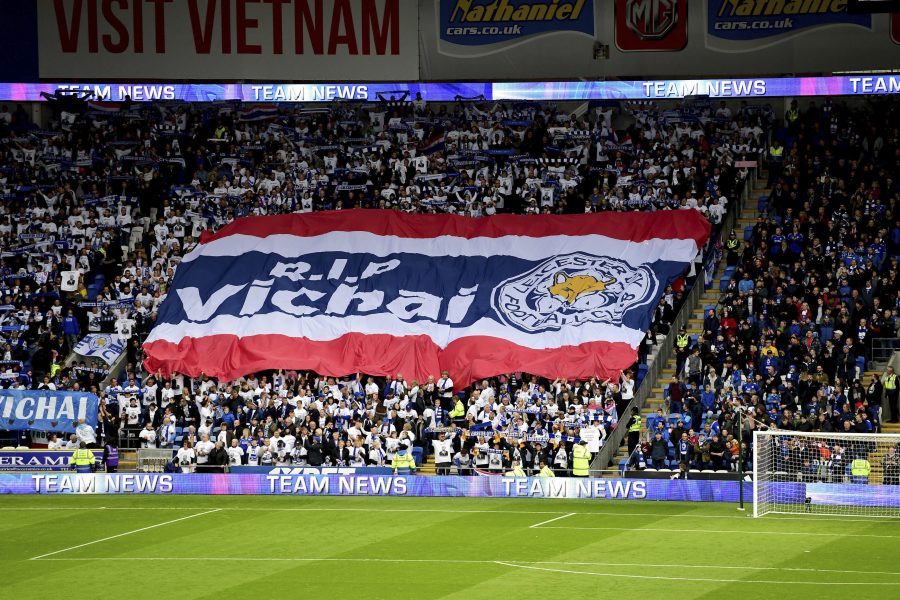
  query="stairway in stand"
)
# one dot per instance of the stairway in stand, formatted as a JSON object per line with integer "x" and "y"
{"x": 710, "y": 297}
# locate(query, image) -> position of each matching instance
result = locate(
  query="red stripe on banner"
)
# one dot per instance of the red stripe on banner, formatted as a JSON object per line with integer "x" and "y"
{"x": 228, "y": 357}
{"x": 637, "y": 227}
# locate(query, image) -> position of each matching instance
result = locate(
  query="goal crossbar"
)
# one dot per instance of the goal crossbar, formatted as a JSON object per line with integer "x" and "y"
{"x": 838, "y": 474}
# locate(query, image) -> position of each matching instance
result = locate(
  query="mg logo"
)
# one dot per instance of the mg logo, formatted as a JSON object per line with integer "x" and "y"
{"x": 651, "y": 25}
{"x": 651, "y": 19}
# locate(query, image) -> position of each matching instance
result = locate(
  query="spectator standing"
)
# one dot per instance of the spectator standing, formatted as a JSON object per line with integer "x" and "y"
{"x": 218, "y": 458}
{"x": 203, "y": 450}
{"x": 186, "y": 457}
{"x": 443, "y": 454}
{"x": 86, "y": 434}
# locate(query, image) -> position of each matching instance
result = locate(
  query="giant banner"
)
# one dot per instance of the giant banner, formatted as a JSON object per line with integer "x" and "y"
{"x": 228, "y": 39}
{"x": 46, "y": 410}
{"x": 384, "y": 292}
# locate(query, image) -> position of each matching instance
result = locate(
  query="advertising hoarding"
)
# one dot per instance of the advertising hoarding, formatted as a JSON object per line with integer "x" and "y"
{"x": 228, "y": 39}
{"x": 850, "y": 85}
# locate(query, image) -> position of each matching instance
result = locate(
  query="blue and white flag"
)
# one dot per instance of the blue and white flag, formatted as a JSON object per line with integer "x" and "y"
{"x": 105, "y": 346}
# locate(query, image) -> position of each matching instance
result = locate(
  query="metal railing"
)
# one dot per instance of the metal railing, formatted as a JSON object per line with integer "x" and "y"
{"x": 614, "y": 441}
{"x": 153, "y": 460}
{"x": 883, "y": 349}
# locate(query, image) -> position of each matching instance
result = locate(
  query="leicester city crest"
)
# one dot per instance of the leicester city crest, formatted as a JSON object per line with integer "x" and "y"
{"x": 98, "y": 343}
{"x": 573, "y": 289}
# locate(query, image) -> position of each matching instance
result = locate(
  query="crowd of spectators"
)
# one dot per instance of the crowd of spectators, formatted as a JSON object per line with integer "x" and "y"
{"x": 810, "y": 286}
{"x": 99, "y": 206}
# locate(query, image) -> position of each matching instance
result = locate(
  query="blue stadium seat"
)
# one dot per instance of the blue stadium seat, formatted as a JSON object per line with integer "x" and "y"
{"x": 723, "y": 283}
{"x": 748, "y": 233}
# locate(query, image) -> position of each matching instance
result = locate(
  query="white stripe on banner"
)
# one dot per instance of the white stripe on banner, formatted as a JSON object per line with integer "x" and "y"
{"x": 526, "y": 248}
{"x": 323, "y": 328}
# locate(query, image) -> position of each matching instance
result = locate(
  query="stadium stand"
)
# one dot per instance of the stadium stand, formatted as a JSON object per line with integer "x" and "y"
{"x": 804, "y": 317}
{"x": 100, "y": 206}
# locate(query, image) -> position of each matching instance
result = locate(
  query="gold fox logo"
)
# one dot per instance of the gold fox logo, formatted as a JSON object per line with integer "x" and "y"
{"x": 572, "y": 288}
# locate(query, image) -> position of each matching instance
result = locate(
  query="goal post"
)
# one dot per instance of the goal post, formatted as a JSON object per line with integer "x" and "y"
{"x": 839, "y": 474}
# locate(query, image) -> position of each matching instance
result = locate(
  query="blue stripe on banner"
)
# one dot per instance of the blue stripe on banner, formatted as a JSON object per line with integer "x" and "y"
{"x": 417, "y": 288}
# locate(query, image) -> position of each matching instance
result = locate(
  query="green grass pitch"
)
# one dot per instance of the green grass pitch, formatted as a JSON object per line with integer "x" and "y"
{"x": 335, "y": 547}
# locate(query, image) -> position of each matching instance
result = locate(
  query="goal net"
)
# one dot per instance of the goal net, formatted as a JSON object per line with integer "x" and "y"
{"x": 826, "y": 474}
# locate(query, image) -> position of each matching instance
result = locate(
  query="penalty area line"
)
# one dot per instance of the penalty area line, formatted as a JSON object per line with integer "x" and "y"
{"x": 118, "y": 535}
{"x": 551, "y": 520}
{"x": 523, "y": 564}
{"x": 532, "y": 567}
{"x": 723, "y": 531}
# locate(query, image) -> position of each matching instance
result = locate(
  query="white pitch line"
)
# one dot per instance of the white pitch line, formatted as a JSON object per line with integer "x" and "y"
{"x": 551, "y": 520}
{"x": 118, "y": 535}
{"x": 471, "y": 561}
{"x": 768, "y": 518}
{"x": 660, "y": 529}
{"x": 691, "y": 579}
